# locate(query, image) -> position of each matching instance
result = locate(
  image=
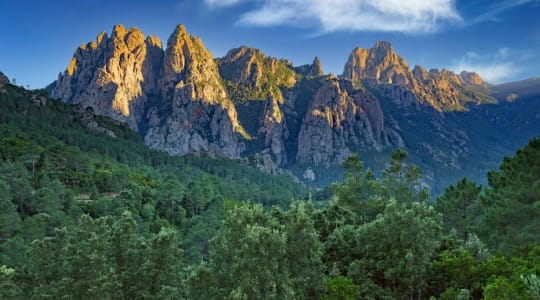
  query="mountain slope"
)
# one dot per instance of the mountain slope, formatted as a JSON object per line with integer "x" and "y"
{"x": 263, "y": 109}
{"x": 46, "y": 125}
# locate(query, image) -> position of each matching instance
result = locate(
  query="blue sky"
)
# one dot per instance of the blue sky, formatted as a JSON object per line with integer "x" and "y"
{"x": 500, "y": 39}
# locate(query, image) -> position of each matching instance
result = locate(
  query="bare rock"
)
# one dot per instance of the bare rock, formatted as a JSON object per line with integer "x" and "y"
{"x": 199, "y": 117}
{"x": 174, "y": 98}
{"x": 389, "y": 73}
{"x": 313, "y": 70}
{"x": 108, "y": 75}
{"x": 340, "y": 120}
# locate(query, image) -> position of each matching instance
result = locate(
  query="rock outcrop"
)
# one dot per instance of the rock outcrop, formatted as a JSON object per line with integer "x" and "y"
{"x": 251, "y": 75}
{"x": 341, "y": 120}
{"x": 87, "y": 119}
{"x": 380, "y": 67}
{"x": 111, "y": 74}
{"x": 174, "y": 98}
{"x": 194, "y": 114}
{"x": 266, "y": 111}
{"x": 313, "y": 70}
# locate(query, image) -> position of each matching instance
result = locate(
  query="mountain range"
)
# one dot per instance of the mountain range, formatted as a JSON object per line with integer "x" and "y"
{"x": 278, "y": 116}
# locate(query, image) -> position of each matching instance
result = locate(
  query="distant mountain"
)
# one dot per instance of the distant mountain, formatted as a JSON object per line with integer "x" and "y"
{"x": 272, "y": 114}
{"x": 519, "y": 89}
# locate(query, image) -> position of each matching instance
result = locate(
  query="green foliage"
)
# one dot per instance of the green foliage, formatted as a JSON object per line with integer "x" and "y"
{"x": 8, "y": 288}
{"x": 257, "y": 255}
{"x": 10, "y": 220}
{"x": 394, "y": 250}
{"x": 367, "y": 195}
{"x": 97, "y": 260}
{"x": 511, "y": 210}
{"x": 82, "y": 217}
{"x": 459, "y": 206}
{"x": 341, "y": 288}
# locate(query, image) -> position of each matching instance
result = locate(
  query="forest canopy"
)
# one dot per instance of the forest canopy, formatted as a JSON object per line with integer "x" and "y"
{"x": 93, "y": 216}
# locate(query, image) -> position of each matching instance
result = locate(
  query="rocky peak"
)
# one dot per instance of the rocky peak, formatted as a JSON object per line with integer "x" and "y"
{"x": 174, "y": 98}
{"x": 154, "y": 41}
{"x": 243, "y": 65}
{"x": 194, "y": 114}
{"x": 119, "y": 31}
{"x": 108, "y": 75}
{"x": 383, "y": 46}
{"x": 251, "y": 75}
{"x": 379, "y": 64}
{"x": 473, "y": 78}
{"x": 134, "y": 38}
{"x": 317, "y": 67}
{"x": 313, "y": 70}
{"x": 190, "y": 67}
{"x": 387, "y": 71}
{"x": 340, "y": 120}
{"x": 101, "y": 37}
{"x": 177, "y": 52}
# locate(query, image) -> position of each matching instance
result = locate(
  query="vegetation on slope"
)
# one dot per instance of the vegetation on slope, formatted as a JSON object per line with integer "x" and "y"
{"x": 82, "y": 219}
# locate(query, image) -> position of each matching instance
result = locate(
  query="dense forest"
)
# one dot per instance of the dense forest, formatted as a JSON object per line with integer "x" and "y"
{"x": 88, "y": 215}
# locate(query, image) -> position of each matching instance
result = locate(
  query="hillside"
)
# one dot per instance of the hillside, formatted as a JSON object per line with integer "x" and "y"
{"x": 88, "y": 211}
{"x": 50, "y": 148}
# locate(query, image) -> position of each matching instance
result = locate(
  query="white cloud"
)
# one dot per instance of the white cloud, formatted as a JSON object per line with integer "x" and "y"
{"x": 494, "y": 68}
{"x": 416, "y": 16}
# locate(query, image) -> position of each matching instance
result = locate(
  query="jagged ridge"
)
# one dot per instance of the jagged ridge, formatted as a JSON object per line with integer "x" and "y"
{"x": 246, "y": 104}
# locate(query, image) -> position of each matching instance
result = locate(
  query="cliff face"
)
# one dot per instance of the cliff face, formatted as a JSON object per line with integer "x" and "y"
{"x": 381, "y": 68}
{"x": 263, "y": 109}
{"x": 111, "y": 74}
{"x": 250, "y": 75}
{"x": 194, "y": 114}
{"x": 339, "y": 120}
{"x": 174, "y": 97}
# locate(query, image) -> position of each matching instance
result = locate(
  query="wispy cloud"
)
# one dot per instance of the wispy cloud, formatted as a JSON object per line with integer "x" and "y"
{"x": 498, "y": 7}
{"x": 410, "y": 16}
{"x": 493, "y": 67}
{"x": 218, "y": 3}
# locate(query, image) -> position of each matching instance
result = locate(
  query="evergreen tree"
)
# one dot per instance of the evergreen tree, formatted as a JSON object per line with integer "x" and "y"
{"x": 510, "y": 207}
{"x": 459, "y": 207}
{"x": 10, "y": 221}
{"x": 395, "y": 249}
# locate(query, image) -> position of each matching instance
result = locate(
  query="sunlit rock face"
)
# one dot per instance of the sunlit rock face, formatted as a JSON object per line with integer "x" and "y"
{"x": 173, "y": 97}
{"x": 341, "y": 120}
{"x": 111, "y": 74}
{"x": 194, "y": 114}
{"x": 266, "y": 111}
{"x": 380, "y": 67}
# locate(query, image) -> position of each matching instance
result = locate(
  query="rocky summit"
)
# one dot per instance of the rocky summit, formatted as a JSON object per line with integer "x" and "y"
{"x": 275, "y": 115}
{"x": 173, "y": 97}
